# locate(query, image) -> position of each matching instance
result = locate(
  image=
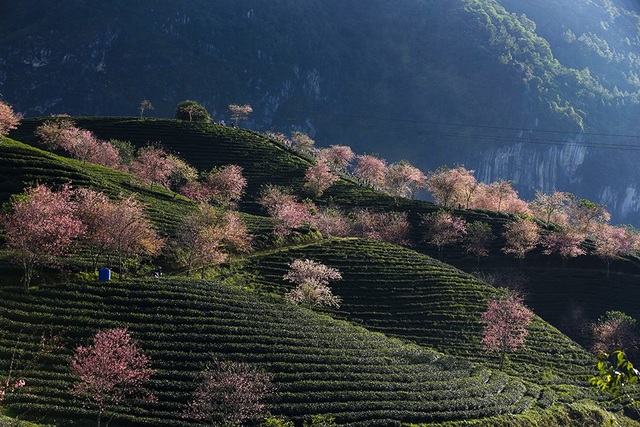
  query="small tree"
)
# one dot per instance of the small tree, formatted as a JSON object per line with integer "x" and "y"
{"x": 566, "y": 242}
{"x": 192, "y": 111}
{"x": 586, "y": 216}
{"x": 8, "y": 119}
{"x": 404, "y": 180}
{"x": 110, "y": 371}
{"x": 337, "y": 157}
{"x": 239, "y": 113}
{"x": 287, "y": 213}
{"x": 442, "y": 229}
{"x": 41, "y": 226}
{"x": 312, "y": 280}
{"x": 226, "y": 185}
{"x": 477, "y": 239}
{"x": 331, "y": 221}
{"x": 131, "y": 234}
{"x": 153, "y": 166}
{"x": 451, "y": 187}
{"x": 302, "y": 142}
{"x": 229, "y": 394}
{"x": 522, "y": 236}
{"x": 392, "y": 227}
{"x": 319, "y": 178}
{"x": 145, "y": 104}
{"x": 370, "y": 170}
{"x": 207, "y": 235}
{"x": 550, "y": 207}
{"x": 611, "y": 242}
{"x": 615, "y": 331}
{"x": 505, "y": 326}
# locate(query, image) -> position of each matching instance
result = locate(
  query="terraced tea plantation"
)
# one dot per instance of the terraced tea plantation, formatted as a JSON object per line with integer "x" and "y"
{"x": 408, "y": 295}
{"x": 403, "y": 349}
{"x": 321, "y": 365}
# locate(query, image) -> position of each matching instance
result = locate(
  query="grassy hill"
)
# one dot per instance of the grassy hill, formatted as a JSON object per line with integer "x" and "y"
{"x": 403, "y": 348}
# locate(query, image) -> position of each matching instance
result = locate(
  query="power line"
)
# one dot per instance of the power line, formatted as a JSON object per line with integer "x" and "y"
{"x": 491, "y": 137}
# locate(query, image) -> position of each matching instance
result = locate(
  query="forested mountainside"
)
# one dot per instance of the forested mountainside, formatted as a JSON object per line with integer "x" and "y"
{"x": 542, "y": 92}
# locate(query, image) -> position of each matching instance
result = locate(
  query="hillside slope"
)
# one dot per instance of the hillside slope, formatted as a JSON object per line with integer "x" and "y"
{"x": 404, "y": 347}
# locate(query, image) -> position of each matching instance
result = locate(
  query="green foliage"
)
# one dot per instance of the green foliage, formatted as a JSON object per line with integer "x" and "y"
{"x": 615, "y": 374}
{"x": 192, "y": 111}
{"x": 321, "y": 421}
{"x": 277, "y": 422}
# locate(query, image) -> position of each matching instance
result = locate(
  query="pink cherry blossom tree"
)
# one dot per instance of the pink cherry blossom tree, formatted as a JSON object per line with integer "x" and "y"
{"x": 94, "y": 208}
{"x": 207, "y": 236}
{"x": 505, "y": 326}
{"x": 551, "y": 207}
{"x": 312, "y": 279}
{"x": 226, "y": 185}
{"x": 319, "y": 178}
{"x": 145, "y": 104}
{"x": 498, "y": 196}
{"x": 404, "y": 180}
{"x": 391, "y": 227}
{"x": 587, "y": 216}
{"x": 41, "y": 226}
{"x": 302, "y": 142}
{"x": 287, "y": 213}
{"x": 370, "y": 170}
{"x": 441, "y": 228}
{"x": 229, "y": 394}
{"x": 337, "y": 157}
{"x": 152, "y": 166}
{"x": 8, "y": 119}
{"x": 110, "y": 370}
{"x": 452, "y": 187}
{"x": 331, "y": 221}
{"x": 611, "y": 242}
{"x": 239, "y": 113}
{"x": 615, "y": 331}
{"x": 522, "y": 236}
{"x": 567, "y": 242}
{"x": 131, "y": 234}
{"x": 477, "y": 239}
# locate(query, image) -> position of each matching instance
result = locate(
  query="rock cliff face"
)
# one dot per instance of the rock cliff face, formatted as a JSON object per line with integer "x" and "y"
{"x": 541, "y": 94}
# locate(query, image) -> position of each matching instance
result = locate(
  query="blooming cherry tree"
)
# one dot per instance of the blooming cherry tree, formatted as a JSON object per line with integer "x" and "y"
{"x": 239, "y": 113}
{"x": 451, "y": 187}
{"x": 287, "y": 213}
{"x": 337, "y": 157}
{"x": 312, "y": 279}
{"x": 404, "y": 180}
{"x": 302, "y": 142}
{"x": 41, "y": 226}
{"x": 391, "y": 227}
{"x": 477, "y": 239}
{"x": 153, "y": 166}
{"x": 551, "y": 207}
{"x": 522, "y": 236}
{"x": 8, "y": 119}
{"x": 110, "y": 370}
{"x": 207, "y": 235}
{"x": 611, "y": 242}
{"x": 370, "y": 170}
{"x": 229, "y": 394}
{"x": 319, "y": 178}
{"x": 442, "y": 229}
{"x": 226, "y": 185}
{"x": 567, "y": 242}
{"x": 505, "y": 325}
